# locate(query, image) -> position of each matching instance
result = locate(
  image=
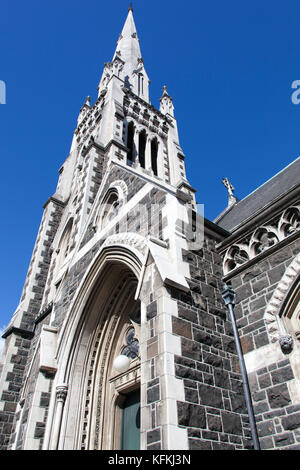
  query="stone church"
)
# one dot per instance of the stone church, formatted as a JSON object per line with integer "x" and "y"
{"x": 121, "y": 339}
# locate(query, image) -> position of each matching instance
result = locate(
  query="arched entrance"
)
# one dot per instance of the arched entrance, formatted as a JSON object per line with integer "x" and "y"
{"x": 101, "y": 400}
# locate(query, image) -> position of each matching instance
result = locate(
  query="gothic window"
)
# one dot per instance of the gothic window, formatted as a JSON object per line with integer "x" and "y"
{"x": 140, "y": 84}
{"x": 111, "y": 208}
{"x": 154, "y": 153}
{"x": 132, "y": 345}
{"x": 62, "y": 252}
{"x": 142, "y": 147}
{"x": 130, "y": 143}
{"x": 64, "y": 244}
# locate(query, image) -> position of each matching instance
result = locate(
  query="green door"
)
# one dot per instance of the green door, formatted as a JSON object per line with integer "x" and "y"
{"x": 130, "y": 430}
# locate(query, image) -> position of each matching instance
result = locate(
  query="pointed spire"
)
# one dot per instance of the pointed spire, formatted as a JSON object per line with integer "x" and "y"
{"x": 130, "y": 7}
{"x": 128, "y": 43}
{"x": 127, "y": 63}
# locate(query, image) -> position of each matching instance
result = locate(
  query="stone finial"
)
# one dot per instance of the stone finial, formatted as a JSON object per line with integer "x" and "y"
{"x": 231, "y": 197}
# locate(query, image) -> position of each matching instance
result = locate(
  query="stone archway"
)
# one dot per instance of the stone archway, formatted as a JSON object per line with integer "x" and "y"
{"x": 92, "y": 336}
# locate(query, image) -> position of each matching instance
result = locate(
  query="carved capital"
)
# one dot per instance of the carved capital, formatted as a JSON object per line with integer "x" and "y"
{"x": 61, "y": 392}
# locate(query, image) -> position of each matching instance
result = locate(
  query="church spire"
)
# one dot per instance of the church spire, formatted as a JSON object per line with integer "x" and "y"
{"x": 127, "y": 63}
{"x": 128, "y": 43}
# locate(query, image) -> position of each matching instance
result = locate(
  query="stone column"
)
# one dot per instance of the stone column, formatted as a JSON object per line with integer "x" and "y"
{"x": 135, "y": 147}
{"x": 159, "y": 160}
{"x": 61, "y": 394}
{"x": 148, "y": 154}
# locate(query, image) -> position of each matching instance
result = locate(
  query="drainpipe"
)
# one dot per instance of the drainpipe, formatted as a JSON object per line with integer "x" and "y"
{"x": 229, "y": 299}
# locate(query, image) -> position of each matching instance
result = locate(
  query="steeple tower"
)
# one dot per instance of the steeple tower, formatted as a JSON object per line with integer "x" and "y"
{"x": 122, "y": 200}
{"x": 127, "y": 63}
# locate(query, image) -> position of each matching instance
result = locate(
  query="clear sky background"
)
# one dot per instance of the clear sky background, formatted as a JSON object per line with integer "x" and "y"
{"x": 228, "y": 64}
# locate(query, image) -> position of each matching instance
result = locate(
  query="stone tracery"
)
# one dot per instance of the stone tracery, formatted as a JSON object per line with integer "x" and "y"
{"x": 263, "y": 238}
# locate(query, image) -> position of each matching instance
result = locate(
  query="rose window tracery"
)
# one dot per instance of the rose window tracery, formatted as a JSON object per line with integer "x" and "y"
{"x": 132, "y": 347}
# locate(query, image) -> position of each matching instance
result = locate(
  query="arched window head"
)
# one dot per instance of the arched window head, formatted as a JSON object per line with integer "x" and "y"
{"x": 110, "y": 209}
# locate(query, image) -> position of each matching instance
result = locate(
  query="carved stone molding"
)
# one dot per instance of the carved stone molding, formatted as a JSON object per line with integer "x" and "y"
{"x": 127, "y": 238}
{"x": 273, "y": 308}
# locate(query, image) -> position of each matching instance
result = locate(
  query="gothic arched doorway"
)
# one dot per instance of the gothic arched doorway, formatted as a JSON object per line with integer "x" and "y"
{"x": 99, "y": 402}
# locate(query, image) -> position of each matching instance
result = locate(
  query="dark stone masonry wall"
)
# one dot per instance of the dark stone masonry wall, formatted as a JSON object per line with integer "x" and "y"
{"x": 26, "y": 404}
{"x": 214, "y": 408}
{"x": 277, "y": 416}
{"x": 254, "y": 288}
{"x": 45, "y": 238}
{"x": 278, "y": 419}
{"x": 136, "y": 220}
{"x": 14, "y": 378}
{"x": 21, "y": 338}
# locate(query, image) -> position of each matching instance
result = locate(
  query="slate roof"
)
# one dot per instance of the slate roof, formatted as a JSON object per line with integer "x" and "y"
{"x": 272, "y": 189}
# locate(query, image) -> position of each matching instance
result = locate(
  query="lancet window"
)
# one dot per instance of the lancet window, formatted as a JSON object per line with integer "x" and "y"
{"x": 110, "y": 209}
{"x": 154, "y": 152}
{"x": 142, "y": 148}
{"x": 130, "y": 143}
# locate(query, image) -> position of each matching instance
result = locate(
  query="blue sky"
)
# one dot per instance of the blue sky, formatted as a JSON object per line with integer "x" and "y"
{"x": 228, "y": 64}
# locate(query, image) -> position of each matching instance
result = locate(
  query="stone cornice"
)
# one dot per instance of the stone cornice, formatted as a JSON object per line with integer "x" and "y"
{"x": 55, "y": 200}
{"x": 18, "y": 331}
{"x": 44, "y": 313}
{"x": 216, "y": 228}
{"x": 103, "y": 148}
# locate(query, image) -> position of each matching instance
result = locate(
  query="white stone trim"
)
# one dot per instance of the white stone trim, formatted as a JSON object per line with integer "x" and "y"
{"x": 274, "y": 305}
